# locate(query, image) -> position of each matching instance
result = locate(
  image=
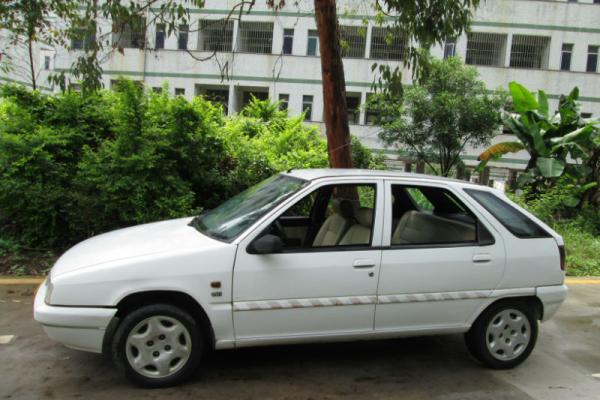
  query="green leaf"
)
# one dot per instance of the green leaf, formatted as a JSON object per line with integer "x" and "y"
{"x": 571, "y": 201}
{"x": 525, "y": 178}
{"x": 500, "y": 149}
{"x": 550, "y": 167}
{"x": 543, "y": 103}
{"x": 523, "y": 99}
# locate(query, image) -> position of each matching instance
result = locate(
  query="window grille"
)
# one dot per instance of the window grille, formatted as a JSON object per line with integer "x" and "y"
{"x": 353, "y": 41}
{"x": 565, "y": 56}
{"x": 255, "y": 37}
{"x": 215, "y": 35}
{"x": 130, "y": 35}
{"x": 486, "y": 49}
{"x": 592, "y": 59}
{"x": 529, "y": 51}
{"x": 387, "y": 44}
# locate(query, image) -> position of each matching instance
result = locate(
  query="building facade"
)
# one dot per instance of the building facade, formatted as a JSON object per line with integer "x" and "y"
{"x": 549, "y": 45}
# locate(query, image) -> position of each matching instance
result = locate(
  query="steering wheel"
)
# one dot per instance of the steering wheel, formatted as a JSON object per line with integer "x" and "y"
{"x": 279, "y": 231}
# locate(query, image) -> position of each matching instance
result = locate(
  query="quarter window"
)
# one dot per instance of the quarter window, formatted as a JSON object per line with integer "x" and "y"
{"x": 516, "y": 222}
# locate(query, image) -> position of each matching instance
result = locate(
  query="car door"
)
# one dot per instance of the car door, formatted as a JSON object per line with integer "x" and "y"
{"x": 439, "y": 262}
{"x": 303, "y": 291}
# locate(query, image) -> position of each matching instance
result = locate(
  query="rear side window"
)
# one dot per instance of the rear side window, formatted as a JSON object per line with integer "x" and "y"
{"x": 516, "y": 222}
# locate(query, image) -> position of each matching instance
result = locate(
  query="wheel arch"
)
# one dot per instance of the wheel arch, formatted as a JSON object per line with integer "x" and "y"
{"x": 531, "y": 300}
{"x": 172, "y": 297}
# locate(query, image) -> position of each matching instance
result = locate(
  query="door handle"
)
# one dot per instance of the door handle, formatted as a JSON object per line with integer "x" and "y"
{"x": 482, "y": 258}
{"x": 363, "y": 263}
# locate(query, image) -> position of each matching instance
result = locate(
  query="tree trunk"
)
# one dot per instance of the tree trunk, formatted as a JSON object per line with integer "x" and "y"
{"x": 31, "y": 65}
{"x": 335, "y": 111}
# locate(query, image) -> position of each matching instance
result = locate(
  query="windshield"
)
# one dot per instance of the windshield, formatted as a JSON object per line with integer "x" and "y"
{"x": 241, "y": 211}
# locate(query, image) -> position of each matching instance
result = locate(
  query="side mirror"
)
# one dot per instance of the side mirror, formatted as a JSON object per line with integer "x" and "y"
{"x": 266, "y": 244}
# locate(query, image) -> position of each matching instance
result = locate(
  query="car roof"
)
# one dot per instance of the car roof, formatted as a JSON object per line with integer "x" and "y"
{"x": 314, "y": 174}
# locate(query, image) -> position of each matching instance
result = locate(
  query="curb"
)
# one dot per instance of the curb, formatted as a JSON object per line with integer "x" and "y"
{"x": 5, "y": 281}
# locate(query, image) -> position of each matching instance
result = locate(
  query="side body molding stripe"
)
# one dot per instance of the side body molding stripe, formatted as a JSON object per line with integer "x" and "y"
{"x": 383, "y": 299}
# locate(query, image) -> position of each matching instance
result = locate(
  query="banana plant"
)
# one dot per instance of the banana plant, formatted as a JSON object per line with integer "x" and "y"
{"x": 549, "y": 139}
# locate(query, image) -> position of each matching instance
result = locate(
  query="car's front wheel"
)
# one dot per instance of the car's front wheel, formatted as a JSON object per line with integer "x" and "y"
{"x": 158, "y": 345}
{"x": 504, "y": 335}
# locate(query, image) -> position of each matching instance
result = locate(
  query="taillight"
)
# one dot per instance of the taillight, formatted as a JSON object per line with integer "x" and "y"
{"x": 561, "y": 251}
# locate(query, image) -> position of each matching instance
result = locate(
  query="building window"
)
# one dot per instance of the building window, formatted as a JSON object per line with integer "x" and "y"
{"x": 249, "y": 95}
{"x": 131, "y": 34}
{"x": 216, "y": 96}
{"x": 307, "y": 107}
{"x": 215, "y": 35}
{"x": 371, "y": 114}
{"x": 486, "y": 49}
{"x": 386, "y": 44}
{"x": 46, "y": 62}
{"x": 565, "y": 56}
{"x": 157, "y": 89}
{"x": 353, "y": 104}
{"x": 592, "y": 59}
{"x": 353, "y": 41}
{"x": 450, "y": 48}
{"x": 529, "y": 51}
{"x": 182, "y": 39}
{"x": 312, "y": 48}
{"x": 159, "y": 38}
{"x": 255, "y": 37}
{"x": 284, "y": 101}
{"x": 179, "y": 91}
{"x": 288, "y": 41}
{"x": 586, "y": 115}
{"x": 81, "y": 40}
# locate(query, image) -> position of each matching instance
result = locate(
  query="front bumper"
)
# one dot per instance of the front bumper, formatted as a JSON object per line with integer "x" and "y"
{"x": 551, "y": 297}
{"x": 80, "y": 328}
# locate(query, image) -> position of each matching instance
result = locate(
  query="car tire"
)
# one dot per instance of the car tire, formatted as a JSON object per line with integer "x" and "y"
{"x": 158, "y": 345}
{"x": 504, "y": 335}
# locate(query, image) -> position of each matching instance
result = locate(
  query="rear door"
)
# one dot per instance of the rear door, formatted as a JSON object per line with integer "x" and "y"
{"x": 439, "y": 261}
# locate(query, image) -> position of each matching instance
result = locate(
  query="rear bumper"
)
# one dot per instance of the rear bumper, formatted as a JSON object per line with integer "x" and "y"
{"x": 551, "y": 297}
{"x": 80, "y": 328}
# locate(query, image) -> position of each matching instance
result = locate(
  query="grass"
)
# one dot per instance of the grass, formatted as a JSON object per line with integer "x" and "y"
{"x": 582, "y": 249}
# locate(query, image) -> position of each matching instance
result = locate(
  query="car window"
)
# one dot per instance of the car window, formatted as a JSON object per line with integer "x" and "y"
{"x": 515, "y": 221}
{"x": 238, "y": 213}
{"x": 433, "y": 216}
{"x": 331, "y": 216}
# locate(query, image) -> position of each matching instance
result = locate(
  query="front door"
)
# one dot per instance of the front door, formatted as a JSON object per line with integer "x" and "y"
{"x": 324, "y": 281}
{"x": 441, "y": 263}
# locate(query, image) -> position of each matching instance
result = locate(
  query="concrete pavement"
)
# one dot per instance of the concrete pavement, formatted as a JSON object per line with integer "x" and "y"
{"x": 562, "y": 366}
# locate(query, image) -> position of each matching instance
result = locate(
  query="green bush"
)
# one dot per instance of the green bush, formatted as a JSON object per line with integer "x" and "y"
{"x": 74, "y": 165}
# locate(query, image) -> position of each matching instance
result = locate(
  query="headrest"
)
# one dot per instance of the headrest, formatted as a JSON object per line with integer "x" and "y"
{"x": 364, "y": 216}
{"x": 343, "y": 207}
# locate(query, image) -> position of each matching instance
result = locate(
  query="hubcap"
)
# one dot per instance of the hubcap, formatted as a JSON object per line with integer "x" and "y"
{"x": 508, "y": 334}
{"x": 158, "y": 346}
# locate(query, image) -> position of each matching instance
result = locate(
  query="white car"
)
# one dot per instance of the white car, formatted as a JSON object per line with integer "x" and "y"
{"x": 307, "y": 256}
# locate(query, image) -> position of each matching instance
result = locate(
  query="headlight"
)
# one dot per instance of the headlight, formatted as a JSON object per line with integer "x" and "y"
{"x": 49, "y": 288}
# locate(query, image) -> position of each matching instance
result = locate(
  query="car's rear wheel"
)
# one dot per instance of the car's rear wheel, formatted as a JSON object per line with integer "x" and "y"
{"x": 504, "y": 335}
{"x": 158, "y": 345}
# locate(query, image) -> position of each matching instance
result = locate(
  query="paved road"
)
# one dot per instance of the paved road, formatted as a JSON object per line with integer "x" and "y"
{"x": 561, "y": 367}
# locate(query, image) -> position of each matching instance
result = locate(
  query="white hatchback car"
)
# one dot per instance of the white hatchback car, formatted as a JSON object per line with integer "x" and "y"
{"x": 311, "y": 255}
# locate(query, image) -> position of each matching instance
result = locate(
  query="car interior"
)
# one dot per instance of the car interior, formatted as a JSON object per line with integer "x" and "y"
{"x": 343, "y": 215}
